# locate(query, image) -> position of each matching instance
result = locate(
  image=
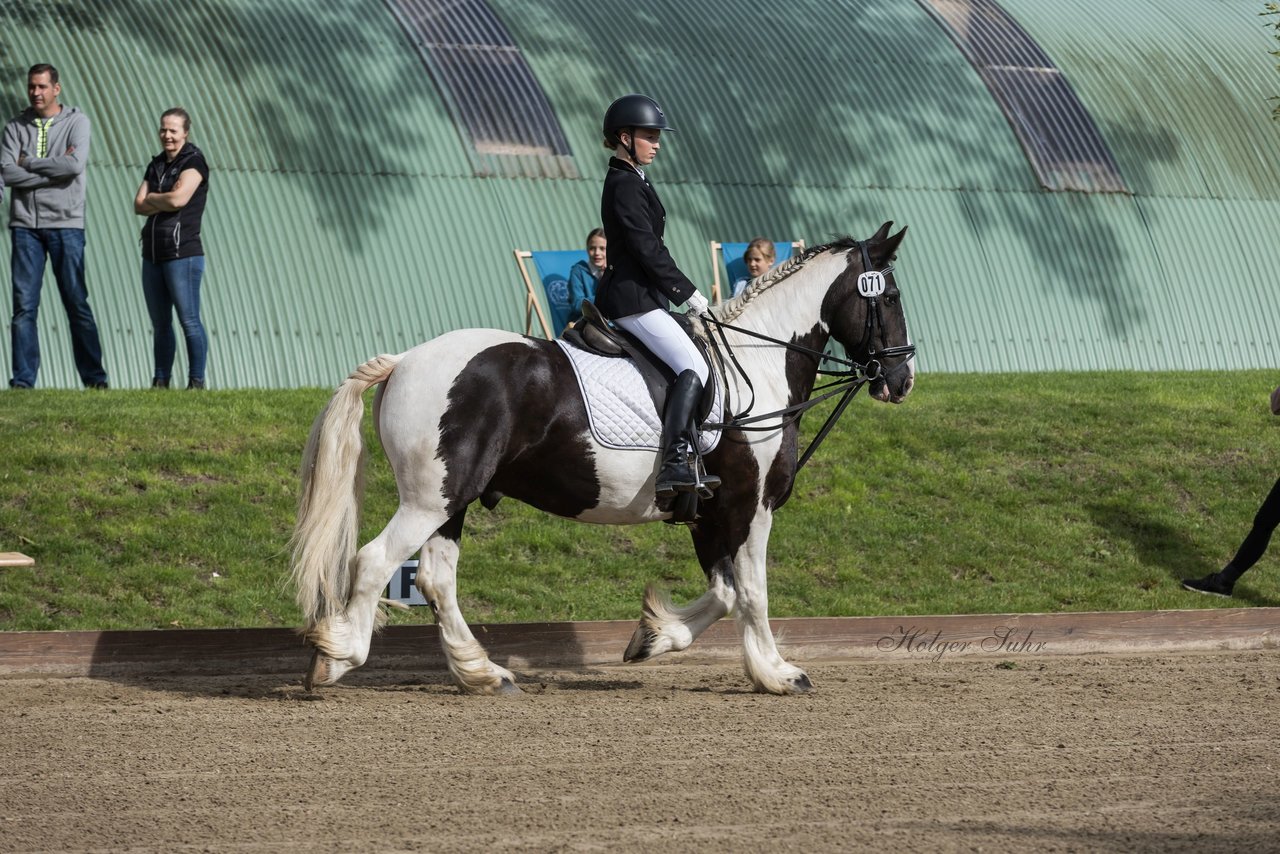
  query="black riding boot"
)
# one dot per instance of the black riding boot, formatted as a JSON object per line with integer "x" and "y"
{"x": 678, "y": 436}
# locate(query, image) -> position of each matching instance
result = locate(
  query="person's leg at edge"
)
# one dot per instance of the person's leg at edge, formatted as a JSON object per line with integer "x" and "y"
{"x": 1251, "y": 550}
{"x": 26, "y": 264}
{"x": 664, "y": 337}
{"x": 183, "y": 277}
{"x": 66, "y": 255}
{"x": 155, "y": 289}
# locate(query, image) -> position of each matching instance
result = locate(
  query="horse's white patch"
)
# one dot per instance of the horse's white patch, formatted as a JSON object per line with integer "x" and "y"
{"x": 415, "y": 399}
{"x": 619, "y": 408}
{"x": 626, "y": 487}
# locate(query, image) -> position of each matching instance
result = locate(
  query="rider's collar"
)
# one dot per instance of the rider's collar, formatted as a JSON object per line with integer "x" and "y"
{"x": 628, "y": 164}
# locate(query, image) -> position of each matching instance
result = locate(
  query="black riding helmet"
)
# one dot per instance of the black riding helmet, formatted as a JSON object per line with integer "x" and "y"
{"x": 632, "y": 111}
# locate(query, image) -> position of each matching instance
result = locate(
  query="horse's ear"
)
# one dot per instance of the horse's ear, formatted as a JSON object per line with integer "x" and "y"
{"x": 885, "y": 247}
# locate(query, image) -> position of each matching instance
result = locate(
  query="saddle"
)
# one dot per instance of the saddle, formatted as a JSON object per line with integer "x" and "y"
{"x": 593, "y": 333}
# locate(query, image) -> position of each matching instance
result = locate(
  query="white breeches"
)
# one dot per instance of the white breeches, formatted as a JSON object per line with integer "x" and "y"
{"x": 659, "y": 332}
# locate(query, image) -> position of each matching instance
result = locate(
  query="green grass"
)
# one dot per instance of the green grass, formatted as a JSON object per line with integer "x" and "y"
{"x": 1018, "y": 493}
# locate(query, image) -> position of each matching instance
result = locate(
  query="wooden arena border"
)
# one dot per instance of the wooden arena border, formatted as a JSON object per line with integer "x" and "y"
{"x": 534, "y": 645}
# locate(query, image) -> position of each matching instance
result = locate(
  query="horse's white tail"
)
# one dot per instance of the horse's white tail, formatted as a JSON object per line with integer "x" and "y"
{"x": 324, "y": 538}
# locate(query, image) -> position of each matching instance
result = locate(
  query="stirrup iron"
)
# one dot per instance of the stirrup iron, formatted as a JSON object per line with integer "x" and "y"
{"x": 707, "y": 483}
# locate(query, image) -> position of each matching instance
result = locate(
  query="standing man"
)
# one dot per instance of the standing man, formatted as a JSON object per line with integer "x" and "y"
{"x": 42, "y": 160}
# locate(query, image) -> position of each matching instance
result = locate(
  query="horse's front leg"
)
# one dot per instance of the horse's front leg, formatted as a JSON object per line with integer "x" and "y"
{"x": 437, "y": 578}
{"x": 665, "y": 627}
{"x": 765, "y": 667}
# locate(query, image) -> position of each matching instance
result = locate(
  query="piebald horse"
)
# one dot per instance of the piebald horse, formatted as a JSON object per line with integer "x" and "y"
{"x": 479, "y": 414}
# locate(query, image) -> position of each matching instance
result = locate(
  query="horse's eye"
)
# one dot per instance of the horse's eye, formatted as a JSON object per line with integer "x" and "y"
{"x": 890, "y": 299}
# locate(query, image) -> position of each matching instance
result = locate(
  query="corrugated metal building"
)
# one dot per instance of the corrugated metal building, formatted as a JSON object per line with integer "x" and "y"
{"x": 1087, "y": 186}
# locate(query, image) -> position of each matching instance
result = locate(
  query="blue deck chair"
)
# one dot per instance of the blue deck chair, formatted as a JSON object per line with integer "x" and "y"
{"x": 736, "y": 268}
{"x": 552, "y": 269}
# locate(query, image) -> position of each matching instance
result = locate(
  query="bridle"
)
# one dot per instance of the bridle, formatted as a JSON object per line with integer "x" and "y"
{"x": 872, "y": 285}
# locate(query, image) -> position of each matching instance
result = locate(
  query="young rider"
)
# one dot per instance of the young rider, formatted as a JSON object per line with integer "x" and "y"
{"x": 641, "y": 277}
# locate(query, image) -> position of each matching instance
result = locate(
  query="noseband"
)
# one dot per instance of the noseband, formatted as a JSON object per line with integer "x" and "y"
{"x": 871, "y": 286}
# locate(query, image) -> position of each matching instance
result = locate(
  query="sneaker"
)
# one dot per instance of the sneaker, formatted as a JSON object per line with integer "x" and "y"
{"x": 1213, "y": 584}
{"x": 195, "y": 385}
{"x": 158, "y": 383}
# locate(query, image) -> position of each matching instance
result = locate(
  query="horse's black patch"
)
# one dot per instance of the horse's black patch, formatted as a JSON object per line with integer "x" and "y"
{"x": 801, "y": 375}
{"x": 516, "y": 425}
{"x": 725, "y": 519}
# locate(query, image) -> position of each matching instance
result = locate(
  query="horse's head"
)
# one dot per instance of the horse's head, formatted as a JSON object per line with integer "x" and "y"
{"x": 863, "y": 310}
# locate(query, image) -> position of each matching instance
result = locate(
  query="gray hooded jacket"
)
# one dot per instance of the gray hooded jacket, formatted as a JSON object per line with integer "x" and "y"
{"x": 46, "y": 192}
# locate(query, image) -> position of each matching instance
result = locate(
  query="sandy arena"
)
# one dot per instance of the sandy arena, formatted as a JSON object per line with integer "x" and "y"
{"x": 1172, "y": 752}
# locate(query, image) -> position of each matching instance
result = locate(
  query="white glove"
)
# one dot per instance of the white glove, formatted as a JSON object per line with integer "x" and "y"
{"x": 697, "y": 304}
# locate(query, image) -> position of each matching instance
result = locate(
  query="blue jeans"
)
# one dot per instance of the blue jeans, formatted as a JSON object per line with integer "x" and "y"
{"x": 171, "y": 285}
{"x": 64, "y": 247}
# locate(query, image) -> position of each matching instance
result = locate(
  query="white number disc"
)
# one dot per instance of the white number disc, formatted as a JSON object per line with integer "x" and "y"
{"x": 871, "y": 284}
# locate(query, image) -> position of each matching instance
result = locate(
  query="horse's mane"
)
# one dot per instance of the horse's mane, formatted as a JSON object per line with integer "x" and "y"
{"x": 730, "y": 310}
{"x": 734, "y": 307}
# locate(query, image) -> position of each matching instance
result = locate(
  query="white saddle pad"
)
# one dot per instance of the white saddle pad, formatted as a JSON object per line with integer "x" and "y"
{"x": 619, "y": 407}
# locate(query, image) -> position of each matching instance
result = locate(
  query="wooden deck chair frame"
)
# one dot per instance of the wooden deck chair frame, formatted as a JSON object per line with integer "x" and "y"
{"x": 531, "y": 303}
{"x": 717, "y": 249}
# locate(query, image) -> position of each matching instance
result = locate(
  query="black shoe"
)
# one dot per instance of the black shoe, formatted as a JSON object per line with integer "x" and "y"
{"x": 158, "y": 383}
{"x": 101, "y": 385}
{"x": 676, "y": 474}
{"x": 197, "y": 385}
{"x": 1213, "y": 584}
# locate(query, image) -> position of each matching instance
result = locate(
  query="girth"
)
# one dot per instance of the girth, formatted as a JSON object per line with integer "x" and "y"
{"x": 593, "y": 333}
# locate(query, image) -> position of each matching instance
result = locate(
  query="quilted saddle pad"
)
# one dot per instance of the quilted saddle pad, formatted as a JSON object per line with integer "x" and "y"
{"x": 619, "y": 407}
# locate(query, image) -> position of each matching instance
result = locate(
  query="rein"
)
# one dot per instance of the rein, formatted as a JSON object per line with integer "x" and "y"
{"x": 848, "y": 384}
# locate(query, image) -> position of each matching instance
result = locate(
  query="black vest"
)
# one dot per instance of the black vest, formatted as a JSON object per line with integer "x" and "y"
{"x": 169, "y": 235}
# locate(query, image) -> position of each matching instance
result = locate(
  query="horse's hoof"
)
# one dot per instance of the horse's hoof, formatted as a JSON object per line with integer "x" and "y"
{"x": 317, "y": 672}
{"x": 507, "y": 688}
{"x": 801, "y": 684}
{"x": 641, "y": 646}
{"x": 323, "y": 671}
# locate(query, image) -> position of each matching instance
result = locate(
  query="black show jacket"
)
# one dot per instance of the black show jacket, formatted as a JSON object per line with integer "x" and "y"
{"x": 641, "y": 274}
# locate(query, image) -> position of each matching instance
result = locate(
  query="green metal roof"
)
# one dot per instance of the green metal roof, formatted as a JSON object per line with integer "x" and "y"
{"x": 345, "y": 217}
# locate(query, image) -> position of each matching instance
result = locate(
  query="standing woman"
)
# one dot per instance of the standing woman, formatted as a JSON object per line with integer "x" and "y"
{"x": 641, "y": 277}
{"x": 172, "y": 198}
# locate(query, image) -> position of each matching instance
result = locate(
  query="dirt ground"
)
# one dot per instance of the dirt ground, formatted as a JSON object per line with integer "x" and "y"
{"x": 1176, "y": 752}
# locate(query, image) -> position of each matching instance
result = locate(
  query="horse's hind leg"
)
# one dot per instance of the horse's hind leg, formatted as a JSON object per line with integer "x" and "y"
{"x": 437, "y": 580}
{"x": 342, "y": 642}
